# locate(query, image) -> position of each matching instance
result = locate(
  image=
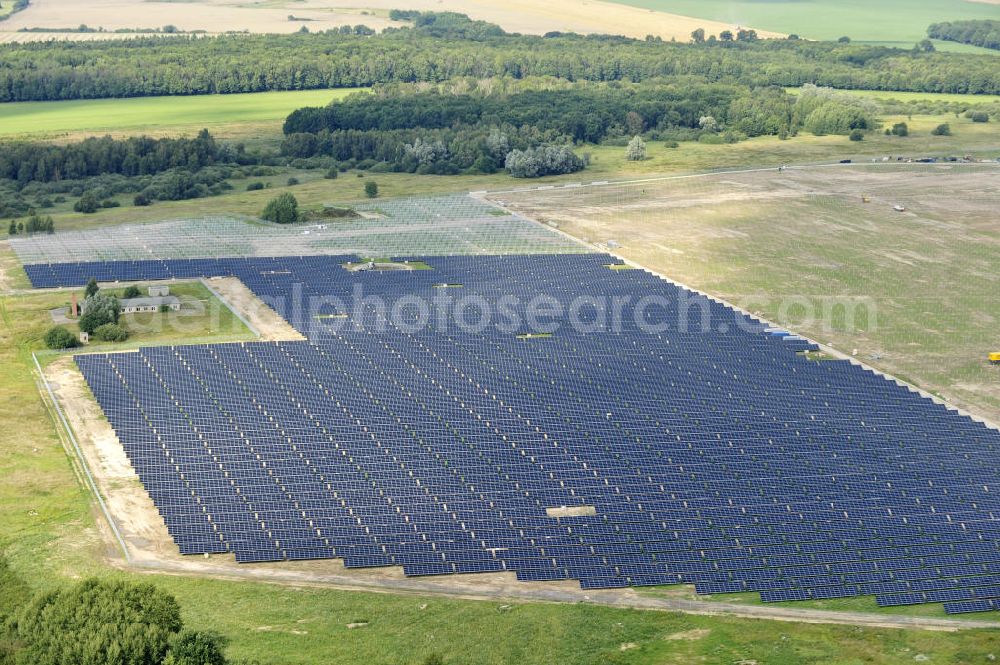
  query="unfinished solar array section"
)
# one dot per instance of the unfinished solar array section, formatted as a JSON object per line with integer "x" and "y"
{"x": 441, "y": 225}
{"x": 722, "y": 458}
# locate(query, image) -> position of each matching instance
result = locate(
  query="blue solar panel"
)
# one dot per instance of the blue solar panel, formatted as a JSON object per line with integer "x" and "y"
{"x": 717, "y": 456}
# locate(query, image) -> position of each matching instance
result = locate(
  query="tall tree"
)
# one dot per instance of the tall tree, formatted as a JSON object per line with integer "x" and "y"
{"x": 96, "y": 623}
{"x": 282, "y": 209}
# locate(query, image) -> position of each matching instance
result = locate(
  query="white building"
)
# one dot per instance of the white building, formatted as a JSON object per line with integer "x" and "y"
{"x": 152, "y": 304}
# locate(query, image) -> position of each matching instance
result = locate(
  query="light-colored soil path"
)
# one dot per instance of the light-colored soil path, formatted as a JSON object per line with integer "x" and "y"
{"x": 137, "y": 518}
{"x": 505, "y": 587}
{"x": 268, "y": 324}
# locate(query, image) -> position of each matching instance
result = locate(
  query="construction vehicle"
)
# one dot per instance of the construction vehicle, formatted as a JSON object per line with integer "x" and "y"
{"x": 995, "y": 358}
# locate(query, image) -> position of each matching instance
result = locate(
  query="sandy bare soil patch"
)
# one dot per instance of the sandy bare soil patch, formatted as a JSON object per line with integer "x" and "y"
{"x": 214, "y": 16}
{"x": 133, "y": 510}
{"x": 689, "y": 635}
{"x": 270, "y": 326}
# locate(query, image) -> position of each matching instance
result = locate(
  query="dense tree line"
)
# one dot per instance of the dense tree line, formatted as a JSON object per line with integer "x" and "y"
{"x": 39, "y": 176}
{"x": 435, "y": 132}
{"x": 174, "y": 185}
{"x": 584, "y": 114}
{"x": 450, "y": 151}
{"x": 985, "y": 33}
{"x": 39, "y": 162}
{"x": 453, "y": 46}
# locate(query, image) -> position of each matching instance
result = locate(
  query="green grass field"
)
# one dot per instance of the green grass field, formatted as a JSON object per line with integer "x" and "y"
{"x": 161, "y": 115}
{"x": 895, "y": 22}
{"x": 946, "y": 97}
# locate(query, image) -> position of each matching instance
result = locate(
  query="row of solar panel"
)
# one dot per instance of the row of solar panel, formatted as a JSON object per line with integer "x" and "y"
{"x": 663, "y": 430}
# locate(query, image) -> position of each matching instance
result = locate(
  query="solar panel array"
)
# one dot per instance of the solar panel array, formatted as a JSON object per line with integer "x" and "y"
{"x": 720, "y": 457}
{"x": 430, "y": 226}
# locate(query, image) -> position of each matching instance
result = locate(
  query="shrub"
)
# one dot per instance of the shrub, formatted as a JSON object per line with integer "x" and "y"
{"x": 132, "y": 292}
{"x": 942, "y": 130}
{"x": 980, "y": 116}
{"x": 371, "y": 189}
{"x": 92, "y": 288}
{"x": 197, "y": 648}
{"x": 282, "y": 209}
{"x": 900, "y": 129}
{"x": 857, "y": 135}
{"x": 292, "y": 182}
{"x": 111, "y": 332}
{"x": 87, "y": 204}
{"x": 332, "y": 173}
{"x": 59, "y": 337}
{"x": 545, "y": 160}
{"x": 39, "y": 224}
{"x": 255, "y": 186}
{"x": 636, "y": 150}
{"x": 141, "y": 200}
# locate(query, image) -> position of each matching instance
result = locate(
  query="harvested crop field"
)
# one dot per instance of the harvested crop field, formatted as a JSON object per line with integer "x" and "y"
{"x": 215, "y": 16}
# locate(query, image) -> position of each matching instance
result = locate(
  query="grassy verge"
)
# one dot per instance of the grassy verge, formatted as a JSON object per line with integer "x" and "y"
{"x": 865, "y": 604}
{"x": 49, "y": 528}
{"x": 310, "y": 625}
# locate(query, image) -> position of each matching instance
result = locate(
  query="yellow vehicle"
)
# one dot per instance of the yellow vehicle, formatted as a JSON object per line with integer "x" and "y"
{"x": 995, "y": 358}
